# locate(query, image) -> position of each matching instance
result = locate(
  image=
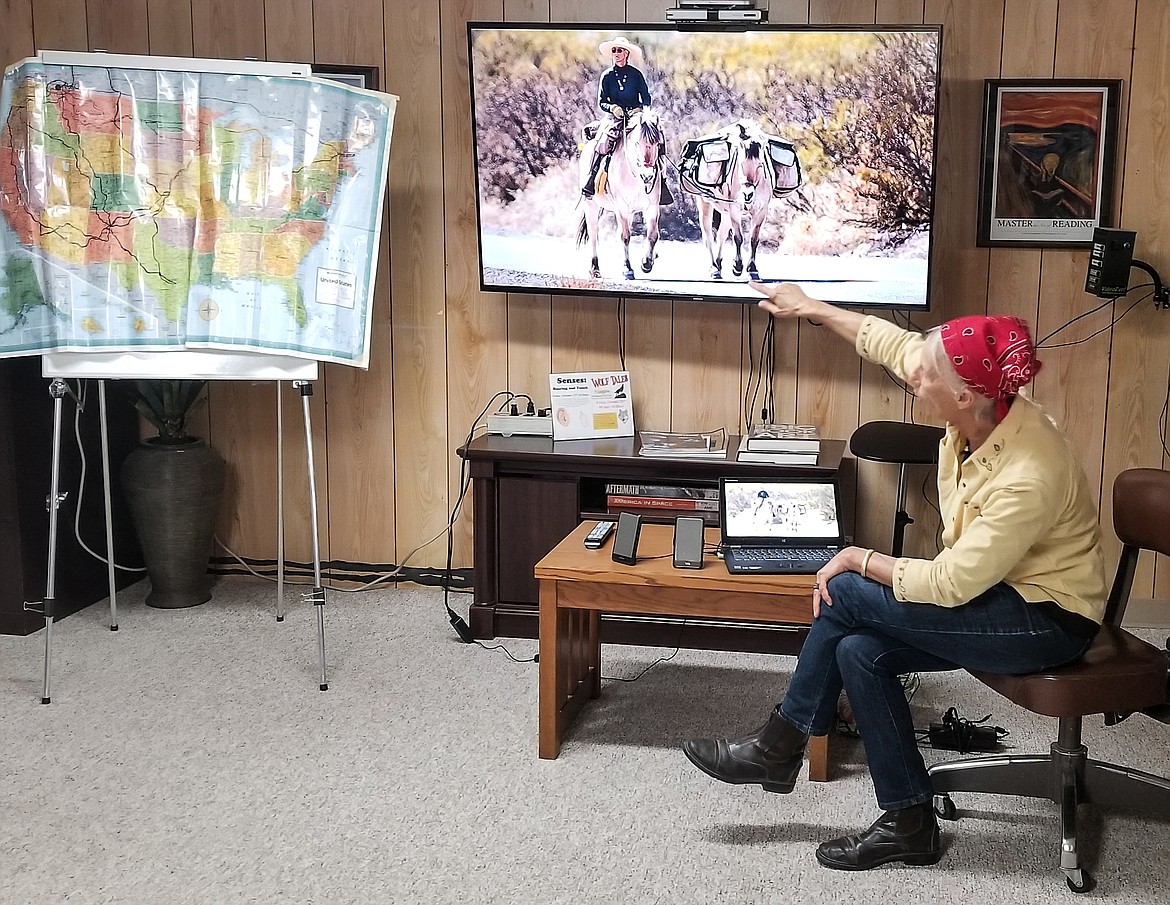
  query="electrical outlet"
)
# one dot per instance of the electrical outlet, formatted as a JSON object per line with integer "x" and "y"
{"x": 521, "y": 425}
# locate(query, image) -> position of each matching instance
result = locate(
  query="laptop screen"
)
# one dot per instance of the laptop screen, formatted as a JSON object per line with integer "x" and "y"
{"x": 797, "y": 512}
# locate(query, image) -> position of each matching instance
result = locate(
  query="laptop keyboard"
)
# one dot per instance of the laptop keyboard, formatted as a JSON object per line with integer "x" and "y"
{"x": 798, "y": 554}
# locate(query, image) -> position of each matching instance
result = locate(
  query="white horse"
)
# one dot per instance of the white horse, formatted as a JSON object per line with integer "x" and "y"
{"x": 632, "y": 182}
{"x": 742, "y": 198}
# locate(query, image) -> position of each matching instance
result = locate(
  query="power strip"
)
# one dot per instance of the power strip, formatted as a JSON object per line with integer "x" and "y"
{"x": 524, "y": 425}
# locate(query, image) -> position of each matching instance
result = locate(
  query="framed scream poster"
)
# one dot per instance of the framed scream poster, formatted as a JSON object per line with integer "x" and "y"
{"x": 1048, "y": 155}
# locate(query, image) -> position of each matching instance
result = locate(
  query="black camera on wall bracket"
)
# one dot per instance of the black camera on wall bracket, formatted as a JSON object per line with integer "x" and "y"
{"x": 1110, "y": 261}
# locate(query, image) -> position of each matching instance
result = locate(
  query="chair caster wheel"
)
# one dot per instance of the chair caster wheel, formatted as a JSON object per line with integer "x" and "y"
{"x": 944, "y": 808}
{"x": 1080, "y": 880}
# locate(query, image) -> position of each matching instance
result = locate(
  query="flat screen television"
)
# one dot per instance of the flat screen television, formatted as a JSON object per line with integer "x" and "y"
{"x": 814, "y": 147}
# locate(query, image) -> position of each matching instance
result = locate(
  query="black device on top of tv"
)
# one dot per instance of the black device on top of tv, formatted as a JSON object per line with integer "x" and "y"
{"x": 849, "y": 220}
{"x": 625, "y": 543}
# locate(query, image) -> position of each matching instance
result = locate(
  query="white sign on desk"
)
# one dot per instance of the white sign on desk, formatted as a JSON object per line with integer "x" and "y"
{"x": 591, "y": 404}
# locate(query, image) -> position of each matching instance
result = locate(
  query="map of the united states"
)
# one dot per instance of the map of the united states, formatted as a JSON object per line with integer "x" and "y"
{"x": 155, "y": 209}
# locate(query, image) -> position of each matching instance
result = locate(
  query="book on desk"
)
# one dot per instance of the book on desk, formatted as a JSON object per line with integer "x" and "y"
{"x": 683, "y": 445}
{"x": 776, "y": 457}
{"x": 789, "y": 438}
{"x": 665, "y": 501}
{"x": 780, "y": 444}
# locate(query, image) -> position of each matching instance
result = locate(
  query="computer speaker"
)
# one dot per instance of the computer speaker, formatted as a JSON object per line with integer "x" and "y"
{"x": 625, "y": 542}
{"x": 688, "y": 542}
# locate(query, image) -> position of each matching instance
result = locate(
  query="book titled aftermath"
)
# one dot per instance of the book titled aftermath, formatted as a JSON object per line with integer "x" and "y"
{"x": 663, "y": 490}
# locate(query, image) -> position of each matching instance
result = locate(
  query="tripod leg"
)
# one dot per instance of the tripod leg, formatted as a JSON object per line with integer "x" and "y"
{"x": 109, "y": 510}
{"x": 318, "y": 595}
{"x": 279, "y": 505}
{"x": 57, "y": 389}
{"x": 45, "y": 698}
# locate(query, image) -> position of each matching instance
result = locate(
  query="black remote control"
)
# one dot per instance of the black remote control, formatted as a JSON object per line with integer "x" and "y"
{"x": 595, "y": 538}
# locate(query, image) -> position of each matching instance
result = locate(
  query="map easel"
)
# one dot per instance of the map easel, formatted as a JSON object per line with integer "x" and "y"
{"x": 191, "y": 365}
{"x": 232, "y": 188}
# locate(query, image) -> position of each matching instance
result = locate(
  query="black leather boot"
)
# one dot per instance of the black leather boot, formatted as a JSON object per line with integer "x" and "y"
{"x": 589, "y": 188}
{"x": 770, "y": 756}
{"x": 909, "y": 835}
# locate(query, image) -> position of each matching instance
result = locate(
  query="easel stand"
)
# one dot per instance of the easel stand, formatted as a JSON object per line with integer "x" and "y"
{"x": 318, "y": 593}
{"x": 58, "y": 390}
{"x": 193, "y": 365}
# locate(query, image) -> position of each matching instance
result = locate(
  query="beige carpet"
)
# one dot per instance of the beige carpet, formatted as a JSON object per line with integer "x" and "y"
{"x": 190, "y": 758}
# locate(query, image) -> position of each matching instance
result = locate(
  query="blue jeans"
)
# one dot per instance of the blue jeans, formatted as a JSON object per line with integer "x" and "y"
{"x": 867, "y": 639}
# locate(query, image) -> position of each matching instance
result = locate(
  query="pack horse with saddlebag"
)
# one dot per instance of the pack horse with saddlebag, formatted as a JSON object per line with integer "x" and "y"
{"x": 734, "y": 174}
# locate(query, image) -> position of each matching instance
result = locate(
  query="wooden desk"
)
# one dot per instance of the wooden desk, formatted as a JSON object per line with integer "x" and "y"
{"x": 577, "y": 584}
{"x": 530, "y": 492}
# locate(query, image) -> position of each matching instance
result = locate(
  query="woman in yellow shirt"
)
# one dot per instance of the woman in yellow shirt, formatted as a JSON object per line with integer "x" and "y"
{"x": 1019, "y": 585}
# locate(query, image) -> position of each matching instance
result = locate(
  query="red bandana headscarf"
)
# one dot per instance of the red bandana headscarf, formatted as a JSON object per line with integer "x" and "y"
{"x": 993, "y": 355}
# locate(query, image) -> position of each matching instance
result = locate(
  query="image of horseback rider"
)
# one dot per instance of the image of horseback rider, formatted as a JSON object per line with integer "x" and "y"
{"x": 622, "y": 91}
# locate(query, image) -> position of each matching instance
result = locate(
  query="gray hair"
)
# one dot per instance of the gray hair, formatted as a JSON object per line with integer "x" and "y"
{"x": 933, "y": 352}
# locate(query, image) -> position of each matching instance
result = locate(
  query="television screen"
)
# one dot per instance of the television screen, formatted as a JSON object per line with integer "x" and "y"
{"x": 648, "y": 161}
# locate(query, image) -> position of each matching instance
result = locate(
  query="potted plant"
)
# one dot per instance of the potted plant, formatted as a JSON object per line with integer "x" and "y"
{"x": 167, "y": 403}
{"x": 173, "y": 484}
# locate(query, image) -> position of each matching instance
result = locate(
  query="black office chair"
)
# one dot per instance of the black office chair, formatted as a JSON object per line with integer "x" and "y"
{"x": 903, "y": 444}
{"x": 1119, "y": 675}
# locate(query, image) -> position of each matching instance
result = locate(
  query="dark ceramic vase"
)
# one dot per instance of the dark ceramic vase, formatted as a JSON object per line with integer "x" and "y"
{"x": 173, "y": 491}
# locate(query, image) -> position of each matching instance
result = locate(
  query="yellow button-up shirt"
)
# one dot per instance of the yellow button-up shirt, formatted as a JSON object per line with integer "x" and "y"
{"x": 1017, "y": 509}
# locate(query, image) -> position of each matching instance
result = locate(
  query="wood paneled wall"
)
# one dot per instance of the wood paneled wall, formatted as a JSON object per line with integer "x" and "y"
{"x": 385, "y": 438}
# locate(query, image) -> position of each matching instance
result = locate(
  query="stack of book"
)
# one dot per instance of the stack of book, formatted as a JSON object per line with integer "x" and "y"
{"x": 665, "y": 501}
{"x": 675, "y": 445}
{"x": 780, "y": 444}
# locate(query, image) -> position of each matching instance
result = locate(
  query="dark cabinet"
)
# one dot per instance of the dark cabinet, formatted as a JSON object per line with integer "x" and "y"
{"x": 529, "y": 492}
{"x": 534, "y": 514}
{"x": 26, "y": 453}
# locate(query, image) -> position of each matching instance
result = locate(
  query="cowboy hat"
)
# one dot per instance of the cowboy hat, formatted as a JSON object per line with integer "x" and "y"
{"x": 607, "y": 48}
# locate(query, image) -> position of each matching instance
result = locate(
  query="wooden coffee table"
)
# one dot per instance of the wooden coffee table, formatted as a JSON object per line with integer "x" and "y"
{"x": 577, "y": 585}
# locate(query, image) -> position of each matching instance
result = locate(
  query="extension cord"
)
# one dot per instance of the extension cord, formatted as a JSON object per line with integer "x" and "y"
{"x": 526, "y": 425}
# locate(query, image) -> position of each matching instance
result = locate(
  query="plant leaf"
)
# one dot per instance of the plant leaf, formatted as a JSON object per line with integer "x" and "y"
{"x": 167, "y": 403}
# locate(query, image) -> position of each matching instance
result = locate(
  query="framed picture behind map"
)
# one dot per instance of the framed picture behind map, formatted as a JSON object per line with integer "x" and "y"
{"x": 354, "y": 76}
{"x": 1048, "y": 152}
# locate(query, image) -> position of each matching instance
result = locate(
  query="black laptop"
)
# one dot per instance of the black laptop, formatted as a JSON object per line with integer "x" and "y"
{"x": 779, "y": 525}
